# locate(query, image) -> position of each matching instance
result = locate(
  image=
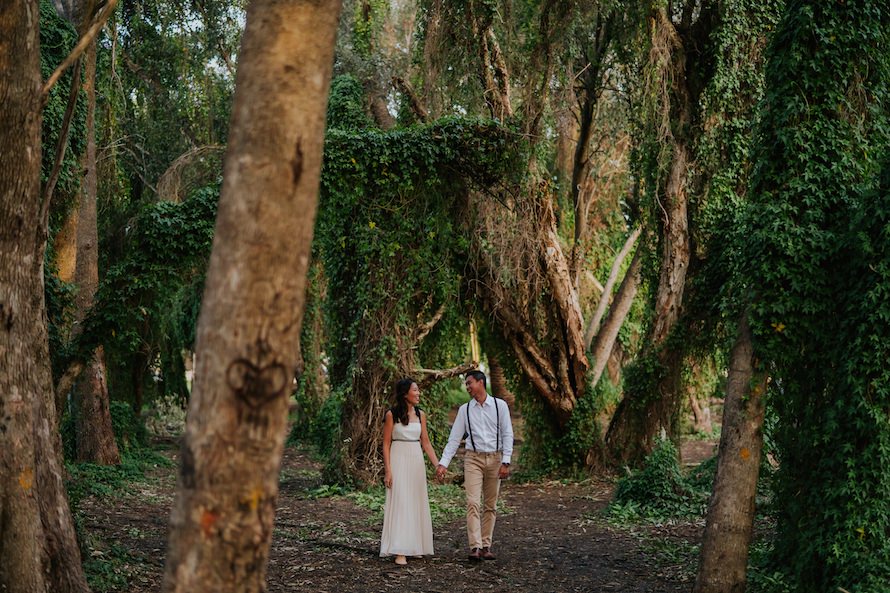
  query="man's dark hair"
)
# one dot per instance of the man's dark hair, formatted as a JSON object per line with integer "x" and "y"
{"x": 479, "y": 376}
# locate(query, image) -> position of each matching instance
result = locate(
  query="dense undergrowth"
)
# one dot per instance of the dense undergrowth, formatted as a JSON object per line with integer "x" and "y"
{"x": 659, "y": 500}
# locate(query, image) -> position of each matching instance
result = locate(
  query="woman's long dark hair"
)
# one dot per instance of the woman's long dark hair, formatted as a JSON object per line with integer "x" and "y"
{"x": 400, "y": 410}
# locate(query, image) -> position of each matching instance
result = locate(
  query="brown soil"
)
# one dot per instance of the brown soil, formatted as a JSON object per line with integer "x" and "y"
{"x": 551, "y": 539}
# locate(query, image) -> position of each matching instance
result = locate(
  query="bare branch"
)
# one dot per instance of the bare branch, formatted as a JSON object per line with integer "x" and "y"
{"x": 416, "y": 106}
{"x": 173, "y": 184}
{"x": 594, "y": 324}
{"x": 605, "y": 339}
{"x": 432, "y": 376}
{"x": 423, "y": 330}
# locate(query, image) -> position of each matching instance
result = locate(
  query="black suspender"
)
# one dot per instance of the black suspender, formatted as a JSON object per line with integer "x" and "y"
{"x": 497, "y": 412}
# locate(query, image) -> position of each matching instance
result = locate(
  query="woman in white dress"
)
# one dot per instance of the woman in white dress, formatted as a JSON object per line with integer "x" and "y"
{"x": 407, "y": 526}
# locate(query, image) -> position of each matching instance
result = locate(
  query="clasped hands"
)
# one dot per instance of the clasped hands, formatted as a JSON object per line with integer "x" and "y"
{"x": 503, "y": 472}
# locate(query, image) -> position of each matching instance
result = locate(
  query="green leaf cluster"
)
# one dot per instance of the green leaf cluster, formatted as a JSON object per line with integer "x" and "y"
{"x": 148, "y": 301}
{"x": 57, "y": 39}
{"x": 659, "y": 488}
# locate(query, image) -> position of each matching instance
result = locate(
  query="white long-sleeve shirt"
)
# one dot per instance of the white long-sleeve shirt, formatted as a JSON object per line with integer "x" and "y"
{"x": 484, "y": 428}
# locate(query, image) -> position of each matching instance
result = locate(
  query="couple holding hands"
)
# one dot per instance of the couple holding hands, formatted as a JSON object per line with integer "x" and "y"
{"x": 485, "y": 423}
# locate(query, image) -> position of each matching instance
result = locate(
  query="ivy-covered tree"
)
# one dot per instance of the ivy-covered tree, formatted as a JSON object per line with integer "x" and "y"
{"x": 518, "y": 277}
{"x": 674, "y": 74}
{"x": 817, "y": 266}
{"x": 716, "y": 296}
{"x": 391, "y": 235}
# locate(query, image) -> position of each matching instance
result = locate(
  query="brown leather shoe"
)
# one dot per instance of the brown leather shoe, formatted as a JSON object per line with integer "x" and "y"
{"x": 475, "y": 554}
{"x": 487, "y": 554}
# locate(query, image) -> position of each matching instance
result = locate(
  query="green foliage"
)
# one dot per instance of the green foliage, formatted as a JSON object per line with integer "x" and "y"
{"x": 818, "y": 268}
{"x": 129, "y": 429}
{"x": 108, "y": 569}
{"x": 658, "y": 489}
{"x": 346, "y": 105}
{"x": 762, "y": 575}
{"x": 389, "y": 199}
{"x": 642, "y": 378}
{"x": 312, "y": 388}
{"x": 551, "y": 450}
{"x": 172, "y": 88}
{"x": 57, "y": 39}
{"x": 109, "y": 566}
{"x": 661, "y": 490}
{"x": 59, "y": 298}
{"x": 149, "y": 300}
{"x": 368, "y": 20}
{"x": 89, "y": 479}
{"x": 324, "y": 428}
{"x": 391, "y": 236}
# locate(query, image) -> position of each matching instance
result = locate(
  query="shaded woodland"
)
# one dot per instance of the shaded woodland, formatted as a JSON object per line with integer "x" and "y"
{"x": 649, "y": 223}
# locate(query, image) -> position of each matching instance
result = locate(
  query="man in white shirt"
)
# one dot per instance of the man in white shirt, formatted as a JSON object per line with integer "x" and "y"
{"x": 485, "y": 423}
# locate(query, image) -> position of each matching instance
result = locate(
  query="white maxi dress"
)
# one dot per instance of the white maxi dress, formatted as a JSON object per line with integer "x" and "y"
{"x": 407, "y": 525}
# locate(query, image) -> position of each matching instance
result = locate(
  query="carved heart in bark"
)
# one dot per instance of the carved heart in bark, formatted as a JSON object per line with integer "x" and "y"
{"x": 256, "y": 386}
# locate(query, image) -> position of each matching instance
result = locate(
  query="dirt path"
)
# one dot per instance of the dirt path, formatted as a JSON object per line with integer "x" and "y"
{"x": 551, "y": 540}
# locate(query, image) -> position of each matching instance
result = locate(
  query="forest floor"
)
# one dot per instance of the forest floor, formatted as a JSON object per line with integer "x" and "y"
{"x": 551, "y": 537}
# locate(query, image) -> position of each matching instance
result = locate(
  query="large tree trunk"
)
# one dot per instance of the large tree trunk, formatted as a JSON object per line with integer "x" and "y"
{"x": 730, "y": 520}
{"x": 37, "y": 544}
{"x": 249, "y": 328}
{"x": 95, "y": 437}
{"x": 641, "y": 416}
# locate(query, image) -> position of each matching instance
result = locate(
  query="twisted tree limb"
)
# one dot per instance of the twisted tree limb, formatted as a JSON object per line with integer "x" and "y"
{"x": 417, "y": 107}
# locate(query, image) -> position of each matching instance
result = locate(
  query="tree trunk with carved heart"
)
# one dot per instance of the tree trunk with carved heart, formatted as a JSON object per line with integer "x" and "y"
{"x": 249, "y": 326}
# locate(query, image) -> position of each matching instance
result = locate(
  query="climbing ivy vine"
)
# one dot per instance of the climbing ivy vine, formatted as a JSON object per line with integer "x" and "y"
{"x": 392, "y": 236}
{"x": 818, "y": 267}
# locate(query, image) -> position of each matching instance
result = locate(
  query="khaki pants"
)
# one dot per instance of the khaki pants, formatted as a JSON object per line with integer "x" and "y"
{"x": 481, "y": 482}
